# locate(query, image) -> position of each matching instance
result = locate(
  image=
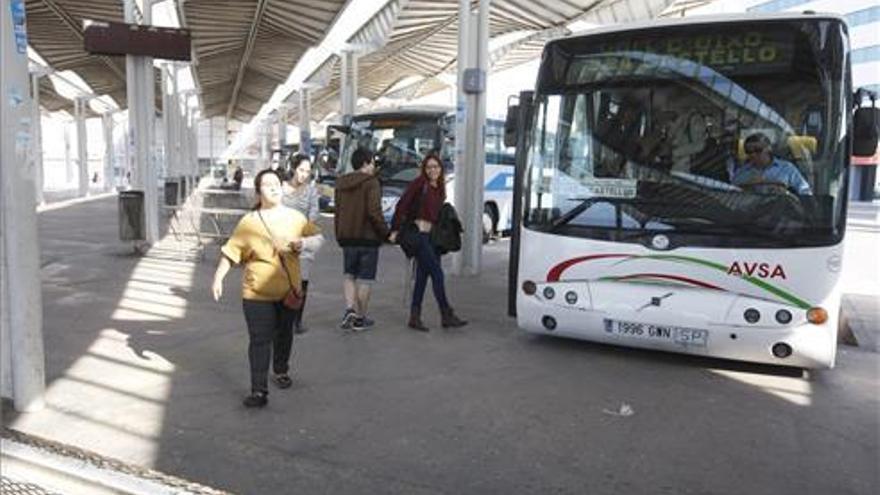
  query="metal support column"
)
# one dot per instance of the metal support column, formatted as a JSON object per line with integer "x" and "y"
{"x": 175, "y": 127}
{"x": 193, "y": 132}
{"x": 281, "y": 119}
{"x": 470, "y": 134}
{"x": 165, "y": 78}
{"x": 21, "y": 305}
{"x": 211, "y": 147}
{"x": 349, "y": 85}
{"x": 109, "y": 174}
{"x": 37, "y": 136}
{"x": 265, "y": 138}
{"x": 182, "y": 130}
{"x": 305, "y": 118}
{"x": 68, "y": 162}
{"x": 82, "y": 146}
{"x": 170, "y": 116}
{"x": 141, "y": 111}
{"x": 461, "y": 129}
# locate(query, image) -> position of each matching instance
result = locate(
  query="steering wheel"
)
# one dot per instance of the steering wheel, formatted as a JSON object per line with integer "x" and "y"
{"x": 772, "y": 186}
{"x": 780, "y": 190}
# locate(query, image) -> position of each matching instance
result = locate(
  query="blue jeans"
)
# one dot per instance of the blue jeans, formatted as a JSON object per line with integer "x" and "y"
{"x": 428, "y": 264}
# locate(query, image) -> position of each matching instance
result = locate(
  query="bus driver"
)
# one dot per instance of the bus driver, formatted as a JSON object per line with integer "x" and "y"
{"x": 761, "y": 169}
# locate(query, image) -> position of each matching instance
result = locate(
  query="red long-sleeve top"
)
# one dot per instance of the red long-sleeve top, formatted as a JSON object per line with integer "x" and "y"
{"x": 429, "y": 210}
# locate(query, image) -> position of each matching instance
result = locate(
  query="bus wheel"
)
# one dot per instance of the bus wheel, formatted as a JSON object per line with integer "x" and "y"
{"x": 489, "y": 221}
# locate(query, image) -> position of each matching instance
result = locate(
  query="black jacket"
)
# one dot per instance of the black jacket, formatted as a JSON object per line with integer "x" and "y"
{"x": 446, "y": 234}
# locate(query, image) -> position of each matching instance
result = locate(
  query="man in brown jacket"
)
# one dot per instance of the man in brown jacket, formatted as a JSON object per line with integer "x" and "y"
{"x": 360, "y": 230}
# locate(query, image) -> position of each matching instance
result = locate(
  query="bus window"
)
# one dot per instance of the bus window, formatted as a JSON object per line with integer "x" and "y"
{"x": 496, "y": 152}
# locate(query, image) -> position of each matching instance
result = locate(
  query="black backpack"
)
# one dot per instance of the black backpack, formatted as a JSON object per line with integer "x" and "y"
{"x": 446, "y": 234}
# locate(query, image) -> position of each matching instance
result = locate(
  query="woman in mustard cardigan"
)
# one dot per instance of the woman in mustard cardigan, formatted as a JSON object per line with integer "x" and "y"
{"x": 261, "y": 240}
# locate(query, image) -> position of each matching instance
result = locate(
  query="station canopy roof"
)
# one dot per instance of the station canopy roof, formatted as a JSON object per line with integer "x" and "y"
{"x": 244, "y": 49}
{"x": 410, "y": 39}
{"x": 52, "y": 101}
{"x": 55, "y": 31}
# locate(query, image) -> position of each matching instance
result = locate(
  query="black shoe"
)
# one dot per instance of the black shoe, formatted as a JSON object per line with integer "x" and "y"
{"x": 256, "y": 399}
{"x": 348, "y": 319}
{"x": 415, "y": 321}
{"x": 362, "y": 324}
{"x": 300, "y": 329}
{"x": 282, "y": 380}
{"x": 450, "y": 320}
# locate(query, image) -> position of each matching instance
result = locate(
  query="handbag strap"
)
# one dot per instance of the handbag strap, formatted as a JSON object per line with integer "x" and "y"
{"x": 280, "y": 256}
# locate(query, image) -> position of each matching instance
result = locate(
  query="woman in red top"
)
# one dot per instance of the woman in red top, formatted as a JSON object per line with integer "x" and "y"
{"x": 427, "y": 193}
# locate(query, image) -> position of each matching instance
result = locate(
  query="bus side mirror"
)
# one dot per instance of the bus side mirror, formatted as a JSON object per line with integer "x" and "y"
{"x": 866, "y": 129}
{"x": 335, "y": 131}
{"x": 510, "y": 125}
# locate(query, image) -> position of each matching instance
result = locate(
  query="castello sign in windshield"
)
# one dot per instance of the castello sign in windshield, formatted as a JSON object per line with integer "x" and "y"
{"x": 739, "y": 53}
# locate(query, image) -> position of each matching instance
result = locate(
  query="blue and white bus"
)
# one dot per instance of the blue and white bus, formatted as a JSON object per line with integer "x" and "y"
{"x": 401, "y": 137}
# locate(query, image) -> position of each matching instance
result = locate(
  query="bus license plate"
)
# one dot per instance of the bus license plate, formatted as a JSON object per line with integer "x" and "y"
{"x": 664, "y": 333}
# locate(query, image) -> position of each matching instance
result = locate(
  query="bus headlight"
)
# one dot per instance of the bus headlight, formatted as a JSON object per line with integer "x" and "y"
{"x": 549, "y": 293}
{"x": 817, "y": 316}
{"x": 571, "y": 297}
{"x": 529, "y": 288}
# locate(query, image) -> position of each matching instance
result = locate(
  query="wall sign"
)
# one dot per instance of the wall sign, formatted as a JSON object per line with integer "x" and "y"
{"x": 19, "y": 26}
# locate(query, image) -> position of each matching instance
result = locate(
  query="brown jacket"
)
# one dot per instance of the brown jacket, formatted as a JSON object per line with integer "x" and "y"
{"x": 359, "y": 220}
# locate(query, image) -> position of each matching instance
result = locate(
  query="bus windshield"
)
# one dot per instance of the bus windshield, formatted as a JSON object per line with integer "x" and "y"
{"x": 716, "y": 134}
{"x": 399, "y": 143}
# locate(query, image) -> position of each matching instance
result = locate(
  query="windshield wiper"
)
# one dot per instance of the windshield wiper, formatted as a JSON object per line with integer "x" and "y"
{"x": 584, "y": 204}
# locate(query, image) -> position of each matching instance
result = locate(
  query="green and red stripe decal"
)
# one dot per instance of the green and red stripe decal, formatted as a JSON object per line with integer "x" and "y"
{"x": 555, "y": 274}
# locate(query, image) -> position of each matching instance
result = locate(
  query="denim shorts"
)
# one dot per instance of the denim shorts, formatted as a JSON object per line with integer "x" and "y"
{"x": 360, "y": 262}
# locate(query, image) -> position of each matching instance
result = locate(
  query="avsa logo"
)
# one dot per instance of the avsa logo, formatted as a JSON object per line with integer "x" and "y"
{"x": 760, "y": 270}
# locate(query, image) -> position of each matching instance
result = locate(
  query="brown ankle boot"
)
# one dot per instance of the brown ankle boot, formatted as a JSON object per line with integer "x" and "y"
{"x": 449, "y": 319}
{"x": 415, "y": 320}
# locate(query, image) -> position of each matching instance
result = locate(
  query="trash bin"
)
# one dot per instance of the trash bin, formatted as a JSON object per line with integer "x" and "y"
{"x": 171, "y": 188}
{"x": 131, "y": 216}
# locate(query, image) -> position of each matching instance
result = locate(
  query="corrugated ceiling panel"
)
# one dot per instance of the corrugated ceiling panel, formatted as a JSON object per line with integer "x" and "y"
{"x": 55, "y": 30}
{"x": 246, "y": 48}
{"x": 424, "y": 38}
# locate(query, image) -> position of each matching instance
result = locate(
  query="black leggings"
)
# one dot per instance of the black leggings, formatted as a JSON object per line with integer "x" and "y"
{"x": 270, "y": 328}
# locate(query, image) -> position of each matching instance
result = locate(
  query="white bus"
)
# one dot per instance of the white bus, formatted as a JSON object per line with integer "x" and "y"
{"x": 644, "y": 223}
{"x": 401, "y": 137}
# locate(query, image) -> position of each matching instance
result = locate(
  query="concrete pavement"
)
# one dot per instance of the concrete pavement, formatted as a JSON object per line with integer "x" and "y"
{"x": 861, "y": 275}
{"x": 143, "y": 367}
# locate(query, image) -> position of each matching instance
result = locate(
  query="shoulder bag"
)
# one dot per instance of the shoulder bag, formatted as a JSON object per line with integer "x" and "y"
{"x": 408, "y": 236}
